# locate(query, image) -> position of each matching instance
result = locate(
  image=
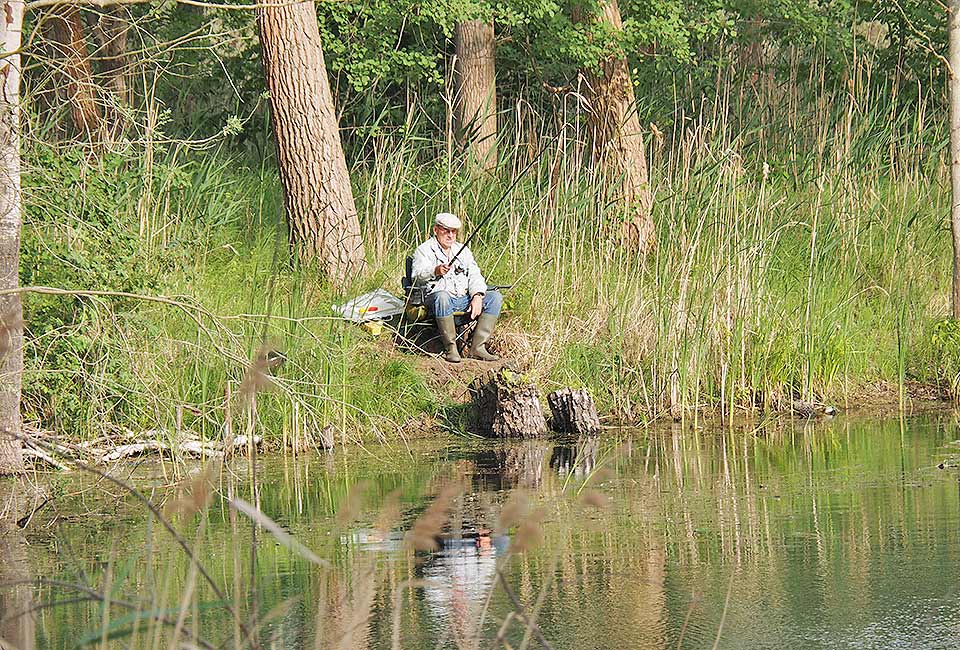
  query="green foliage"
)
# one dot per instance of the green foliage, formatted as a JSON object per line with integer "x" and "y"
{"x": 81, "y": 233}
{"x": 797, "y": 235}
{"x": 939, "y": 352}
{"x": 81, "y": 229}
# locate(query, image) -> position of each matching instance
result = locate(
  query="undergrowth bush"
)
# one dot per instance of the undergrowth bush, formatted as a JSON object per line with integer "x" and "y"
{"x": 81, "y": 232}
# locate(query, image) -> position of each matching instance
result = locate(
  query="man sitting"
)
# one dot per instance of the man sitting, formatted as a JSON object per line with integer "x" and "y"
{"x": 454, "y": 283}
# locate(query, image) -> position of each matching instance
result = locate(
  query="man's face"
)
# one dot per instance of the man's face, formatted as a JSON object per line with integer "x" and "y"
{"x": 446, "y": 236}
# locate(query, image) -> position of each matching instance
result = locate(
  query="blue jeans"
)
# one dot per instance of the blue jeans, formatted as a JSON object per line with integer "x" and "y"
{"x": 441, "y": 303}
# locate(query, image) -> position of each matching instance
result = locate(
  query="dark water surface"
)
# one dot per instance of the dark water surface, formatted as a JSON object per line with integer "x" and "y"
{"x": 843, "y": 534}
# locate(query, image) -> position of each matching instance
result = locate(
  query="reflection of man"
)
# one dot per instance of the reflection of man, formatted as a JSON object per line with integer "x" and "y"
{"x": 455, "y": 285}
{"x": 458, "y": 583}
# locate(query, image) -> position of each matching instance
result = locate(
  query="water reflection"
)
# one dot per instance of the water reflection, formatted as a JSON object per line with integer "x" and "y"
{"x": 457, "y": 581}
{"x": 578, "y": 460}
{"x": 836, "y": 535}
{"x": 17, "y": 616}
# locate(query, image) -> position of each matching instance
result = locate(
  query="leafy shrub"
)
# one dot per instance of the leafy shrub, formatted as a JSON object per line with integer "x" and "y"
{"x": 82, "y": 232}
{"x": 942, "y": 357}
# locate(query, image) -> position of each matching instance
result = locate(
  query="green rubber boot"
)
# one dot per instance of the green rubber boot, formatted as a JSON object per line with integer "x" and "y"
{"x": 478, "y": 343}
{"x": 448, "y": 334}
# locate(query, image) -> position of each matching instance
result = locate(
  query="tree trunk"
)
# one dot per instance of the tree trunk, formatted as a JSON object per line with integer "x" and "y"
{"x": 508, "y": 406}
{"x": 954, "y": 36}
{"x": 11, "y": 313}
{"x": 110, "y": 33}
{"x": 475, "y": 72}
{"x": 317, "y": 195}
{"x": 573, "y": 411}
{"x": 64, "y": 28}
{"x": 618, "y": 141}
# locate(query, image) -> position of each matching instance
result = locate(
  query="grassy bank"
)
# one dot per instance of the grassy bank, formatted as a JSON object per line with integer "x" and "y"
{"x": 817, "y": 269}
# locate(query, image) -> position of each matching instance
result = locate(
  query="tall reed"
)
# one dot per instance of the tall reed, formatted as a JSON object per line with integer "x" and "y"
{"x": 800, "y": 254}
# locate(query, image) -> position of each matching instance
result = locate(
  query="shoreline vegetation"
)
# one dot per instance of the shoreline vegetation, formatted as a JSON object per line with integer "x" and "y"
{"x": 812, "y": 265}
{"x": 723, "y": 221}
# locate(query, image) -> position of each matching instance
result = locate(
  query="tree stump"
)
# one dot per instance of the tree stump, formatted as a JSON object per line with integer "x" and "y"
{"x": 508, "y": 406}
{"x": 573, "y": 411}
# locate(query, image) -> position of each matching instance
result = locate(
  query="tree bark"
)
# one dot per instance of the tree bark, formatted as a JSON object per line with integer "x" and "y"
{"x": 11, "y": 313}
{"x": 507, "y": 406}
{"x": 317, "y": 195}
{"x": 64, "y": 28}
{"x": 618, "y": 141}
{"x": 110, "y": 33}
{"x": 573, "y": 411}
{"x": 954, "y": 38}
{"x": 475, "y": 73}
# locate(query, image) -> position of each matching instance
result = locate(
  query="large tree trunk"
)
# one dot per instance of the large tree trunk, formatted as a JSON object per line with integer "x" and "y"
{"x": 618, "y": 141}
{"x": 110, "y": 33}
{"x": 477, "y": 90}
{"x": 954, "y": 36}
{"x": 317, "y": 194}
{"x": 11, "y": 313}
{"x": 63, "y": 26}
{"x": 507, "y": 406}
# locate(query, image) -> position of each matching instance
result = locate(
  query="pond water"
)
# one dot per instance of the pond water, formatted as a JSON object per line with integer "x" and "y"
{"x": 839, "y": 534}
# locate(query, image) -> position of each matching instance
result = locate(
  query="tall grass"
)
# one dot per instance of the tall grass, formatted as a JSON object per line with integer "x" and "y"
{"x": 800, "y": 253}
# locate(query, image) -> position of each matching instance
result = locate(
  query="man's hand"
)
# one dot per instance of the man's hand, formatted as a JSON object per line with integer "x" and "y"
{"x": 476, "y": 306}
{"x": 441, "y": 270}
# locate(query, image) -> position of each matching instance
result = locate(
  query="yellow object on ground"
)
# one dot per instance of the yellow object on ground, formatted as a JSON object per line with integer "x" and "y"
{"x": 375, "y": 327}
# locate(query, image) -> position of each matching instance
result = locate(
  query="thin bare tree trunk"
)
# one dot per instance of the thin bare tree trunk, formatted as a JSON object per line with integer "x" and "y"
{"x": 110, "y": 33}
{"x": 317, "y": 194}
{"x": 618, "y": 141}
{"x": 954, "y": 37}
{"x": 475, "y": 71}
{"x": 11, "y": 313}
{"x": 64, "y": 27}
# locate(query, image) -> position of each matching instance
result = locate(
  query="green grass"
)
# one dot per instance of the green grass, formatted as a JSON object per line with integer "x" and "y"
{"x": 780, "y": 272}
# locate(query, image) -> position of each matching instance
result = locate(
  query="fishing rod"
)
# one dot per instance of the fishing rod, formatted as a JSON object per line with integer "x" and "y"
{"x": 492, "y": 211}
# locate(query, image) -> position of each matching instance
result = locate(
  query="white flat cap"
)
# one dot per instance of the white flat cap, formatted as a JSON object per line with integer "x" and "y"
{"x": 448, "y": 220}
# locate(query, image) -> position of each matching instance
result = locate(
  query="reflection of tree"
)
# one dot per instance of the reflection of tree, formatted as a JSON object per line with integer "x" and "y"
{"x": 578, "y": 460}
{"x": 17, "y": 623}
{"x": 523, "y": 463}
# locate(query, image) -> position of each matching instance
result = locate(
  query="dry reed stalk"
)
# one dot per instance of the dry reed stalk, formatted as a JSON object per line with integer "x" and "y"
{"x": 427, "y": 528}
{"x": 352, "y": 506}
{"x": 282, "y": 537}
{"x": 530, "y": 531}
{"x": 188, "y": 591}
{"x": 389, "y": 512}
{"x": 595, "y": 499}
{"x": 513, "y": 511}
{"x": 195, "y": 493}
{"x": 362, "y": 589}
{"x": 257, "y": 377}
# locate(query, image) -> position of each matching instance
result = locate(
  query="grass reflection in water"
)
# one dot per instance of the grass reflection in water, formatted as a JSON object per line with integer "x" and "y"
{"x": 839, "y": 534}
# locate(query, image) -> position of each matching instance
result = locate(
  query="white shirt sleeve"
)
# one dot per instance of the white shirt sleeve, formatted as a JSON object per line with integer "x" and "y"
{"x": 423, "y": 263}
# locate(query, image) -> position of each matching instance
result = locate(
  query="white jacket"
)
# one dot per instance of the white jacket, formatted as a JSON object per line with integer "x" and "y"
{"x": 463, "y": 279}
